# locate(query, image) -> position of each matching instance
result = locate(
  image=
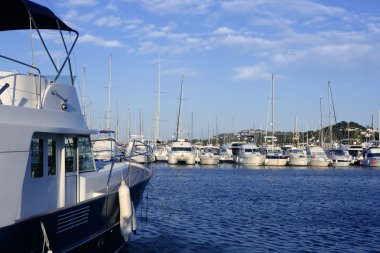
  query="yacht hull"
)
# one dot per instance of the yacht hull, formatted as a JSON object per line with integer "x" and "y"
{"x": 340, "y": 163}
{"x": 209, "y": 160}
{"x": 318, "y": 163}
{"x": 370, "y": 162}
{"x": 181, "y": 158}
{"x": 94, "y": 227}
{"x": 275, "y": 161}
{"x": 250, "y": 160}
{"x": 298, "y": 161}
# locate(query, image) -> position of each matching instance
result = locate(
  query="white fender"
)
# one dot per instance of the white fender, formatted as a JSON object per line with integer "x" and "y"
{"x": 134, "y": 220}
{"x": 125, "y": 210}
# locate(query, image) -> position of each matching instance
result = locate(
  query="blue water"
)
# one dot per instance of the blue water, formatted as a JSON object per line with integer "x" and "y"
{"x": 242, "y": 209}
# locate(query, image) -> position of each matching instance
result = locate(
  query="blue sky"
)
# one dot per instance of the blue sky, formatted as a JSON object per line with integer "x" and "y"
{"x": 226, "y": 51}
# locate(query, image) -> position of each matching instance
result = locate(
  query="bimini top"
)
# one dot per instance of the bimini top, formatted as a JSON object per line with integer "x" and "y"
{"x": 15, "y": 16}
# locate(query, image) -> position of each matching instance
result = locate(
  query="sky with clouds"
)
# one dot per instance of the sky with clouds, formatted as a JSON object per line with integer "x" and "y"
{"x": 227, "y": 52}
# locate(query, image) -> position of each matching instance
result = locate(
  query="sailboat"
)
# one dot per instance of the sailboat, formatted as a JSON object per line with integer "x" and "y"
{"x": 105, "y": 147}
{"x": 160, "y": 152}
{"x": 53, "y": 198}
{"x": 209, "y": 154}
{"x": 181, "y": 150}
{"x": 338, "y": 156}
{"x": 316, "y": 154}
{"x": 297, "y": 155}
{"x": 273, "y": 153}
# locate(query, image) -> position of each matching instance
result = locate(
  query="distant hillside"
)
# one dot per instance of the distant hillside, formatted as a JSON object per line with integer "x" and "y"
{"x": 342, "y": 130}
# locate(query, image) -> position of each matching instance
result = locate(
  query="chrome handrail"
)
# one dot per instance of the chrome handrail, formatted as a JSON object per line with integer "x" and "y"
{"x": 33, "y": 67}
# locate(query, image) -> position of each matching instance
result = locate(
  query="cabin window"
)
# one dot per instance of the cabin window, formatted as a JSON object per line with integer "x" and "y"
{"x": 36, "y": 157}
{"x": 181, "y": 149}
{"x": 70, "y": 154}
{"x": 86, "y": 161}
{"x": 52, "y": 157}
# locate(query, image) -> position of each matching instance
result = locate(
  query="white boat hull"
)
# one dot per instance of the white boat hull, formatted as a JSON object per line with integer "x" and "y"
{"x": 318, "y": 163}
{"x": 298, "y": 161}
{"x": 340, "y": 163}
{"x": 208, "y": 160}
{"x": 275, "y": 161}
{"x": 161, "y": 158}
{"x": 182, "y": 157}
{"x": 250, "y": 160}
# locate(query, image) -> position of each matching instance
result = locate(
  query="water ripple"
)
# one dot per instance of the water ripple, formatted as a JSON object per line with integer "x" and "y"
{"x": 240, "y": 209}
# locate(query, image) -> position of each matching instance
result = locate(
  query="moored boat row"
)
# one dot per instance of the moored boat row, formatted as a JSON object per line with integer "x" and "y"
{"x": 251, "y": 154}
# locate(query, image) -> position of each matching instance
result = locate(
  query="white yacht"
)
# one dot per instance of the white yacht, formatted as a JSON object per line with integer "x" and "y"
{"x": 209, "y": 155}
{"x": 371, "y": 157}
{"x": 106, "y": 147}
{"x": 53, "y": 197}
{"x": 139, "y": 150}
{"x": 297, "y": 157}
{"x": 274, "y": 156}
{"x": 356, "y": 152}
{"x": 317, "y": 157}
{"x": 235, "y": 149}
{"x": 160, "y": 152}
{"x": 250, "y": 155}
{"x": 181, "y": 152}
{"x": 339, "y": 157}
{"x": 226, "y": 153}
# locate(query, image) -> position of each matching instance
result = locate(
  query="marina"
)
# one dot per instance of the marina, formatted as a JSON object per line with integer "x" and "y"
{"x": 232, "y": 208}
{"x": 80, "y": 172}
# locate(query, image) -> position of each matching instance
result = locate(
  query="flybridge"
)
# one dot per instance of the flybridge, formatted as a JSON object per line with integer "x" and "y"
{"x": 24, "y": 15}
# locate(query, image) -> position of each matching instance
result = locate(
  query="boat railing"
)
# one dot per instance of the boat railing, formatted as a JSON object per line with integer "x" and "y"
{"x": 129, "y": 159}
{"x": 147, "y": 151}
{"x": 7, "y": 85}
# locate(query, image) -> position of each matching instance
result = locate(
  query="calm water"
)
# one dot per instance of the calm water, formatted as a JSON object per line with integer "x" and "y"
{"x": 242, "y": 209}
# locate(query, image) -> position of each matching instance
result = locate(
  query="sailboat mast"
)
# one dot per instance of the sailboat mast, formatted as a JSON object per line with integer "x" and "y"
{"x": 329, "y": 102}
{"x": 109, "y": 96}
{"x": 179, "y": 121}
{"x": 117, "y": 122}
{"x": 321, "y": 130}
{"x": 157, "y": 132}
{"x": 128, "y": 125}
{"x": 84, "y": 92}
{"x": 272, "y": 109}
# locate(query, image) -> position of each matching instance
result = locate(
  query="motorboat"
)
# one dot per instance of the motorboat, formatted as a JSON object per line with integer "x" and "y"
{"x": 250, "y": 155}
{"x": 317, "y": 157}
{"x": 297, "y": 157}
{"x": 339, "y": 157}
{"x": 54, "y": 198}
{"x": 356, "y": 152}
{"x": 181, "y": 152}
{"x": 226, "y": 153}
{"x": 139, "y": 150}
{"x": 235, "y": 149}
{"x": 371, "y": 157}
{"x": 160, "y": 152}
{"x": 274, "y": 156}
{"x": 105, "y": 148}
{"x": 209, "y": 155}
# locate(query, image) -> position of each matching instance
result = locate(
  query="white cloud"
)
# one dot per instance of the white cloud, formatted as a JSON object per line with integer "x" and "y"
{"x": 76, "y": 3}
{"x": 267, "y": 7}
{"x": 81, "y": 17}
{"x": 109, "y": 21}
{"x": 87, "y": 38}
{"x": 256, "y": 72}
{"x": 194, "y": 7}
{"x": 223, "y": 30}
